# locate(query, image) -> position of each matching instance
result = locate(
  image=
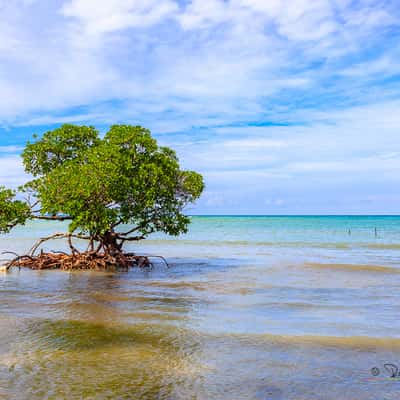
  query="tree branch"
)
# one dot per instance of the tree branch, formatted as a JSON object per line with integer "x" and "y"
{"x": 129, "y": 232}
{"x": 52, "y": 217}
{"x": 132, "y": 238}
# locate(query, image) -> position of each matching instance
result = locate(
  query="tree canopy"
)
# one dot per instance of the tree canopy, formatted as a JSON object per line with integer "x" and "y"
{"x": 102, "y": 184}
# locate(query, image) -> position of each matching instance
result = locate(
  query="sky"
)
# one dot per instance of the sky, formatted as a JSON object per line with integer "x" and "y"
{"x": 284, "y": 106}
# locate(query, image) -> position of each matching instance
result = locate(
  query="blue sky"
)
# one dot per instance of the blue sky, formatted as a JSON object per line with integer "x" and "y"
{"x": 286, "y": 107}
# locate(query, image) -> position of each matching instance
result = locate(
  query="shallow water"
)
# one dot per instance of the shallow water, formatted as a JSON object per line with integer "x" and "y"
{"x": 250, "y": 308}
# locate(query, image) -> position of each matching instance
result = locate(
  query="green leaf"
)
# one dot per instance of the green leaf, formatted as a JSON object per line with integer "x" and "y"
{"x": 12, "y": 212}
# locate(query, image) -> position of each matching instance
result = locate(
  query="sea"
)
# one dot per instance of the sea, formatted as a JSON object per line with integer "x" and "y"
{"x": 248, "y": 307}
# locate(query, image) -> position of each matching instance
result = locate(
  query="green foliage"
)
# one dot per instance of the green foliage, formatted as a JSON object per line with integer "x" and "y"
{"x": 124, "y": 178}
{"x": 12, "y": 212}
{"x": 57, "y": 146}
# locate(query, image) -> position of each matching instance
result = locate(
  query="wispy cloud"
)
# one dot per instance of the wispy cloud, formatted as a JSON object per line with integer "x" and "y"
{"x": 115, "y": 15}
{"x": 10, "y": 149}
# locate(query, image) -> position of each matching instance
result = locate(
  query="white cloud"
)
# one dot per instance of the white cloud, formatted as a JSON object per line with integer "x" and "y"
{"x": 98, "y": 17}
{"x": 385, "y": 66}
{"x": 232, "y": 54}
{"x": 355, "y": 150}
{"x": 10, "y": 149}
{"x": 203, "y": 13}
{"x": 12, "y": 172}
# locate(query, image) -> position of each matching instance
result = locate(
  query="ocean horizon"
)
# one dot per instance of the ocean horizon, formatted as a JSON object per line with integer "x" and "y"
{"x": 294, "y": 215}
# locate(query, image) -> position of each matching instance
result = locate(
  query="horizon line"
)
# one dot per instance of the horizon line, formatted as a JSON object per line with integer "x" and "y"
{"x": 294, "y": 215}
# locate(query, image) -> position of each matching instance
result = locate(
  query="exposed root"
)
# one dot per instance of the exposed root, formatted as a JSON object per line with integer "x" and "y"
{"x": 69, "y": 237}
{"x": 88, "y": 260}
{"x": 107, "y": 256}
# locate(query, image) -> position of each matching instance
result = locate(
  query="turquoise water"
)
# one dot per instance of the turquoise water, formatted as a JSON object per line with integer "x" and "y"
{"x": 250, "y": 308}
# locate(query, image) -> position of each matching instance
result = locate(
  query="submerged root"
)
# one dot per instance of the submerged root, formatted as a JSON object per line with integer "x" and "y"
{"x": 88, "y": 260}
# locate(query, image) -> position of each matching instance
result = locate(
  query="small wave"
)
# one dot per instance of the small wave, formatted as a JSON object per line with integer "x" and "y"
{"x": 382, "y": 246}
{"x": 354, "y": 267}
{"x": 359, "y": 342}
{"x": 218, "y": 243}
{"x": 290, "y": 244}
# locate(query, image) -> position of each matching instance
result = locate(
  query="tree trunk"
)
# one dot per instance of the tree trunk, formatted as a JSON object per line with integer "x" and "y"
{"x": 110, "y": 244}
{"x": 113, "y": 250}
